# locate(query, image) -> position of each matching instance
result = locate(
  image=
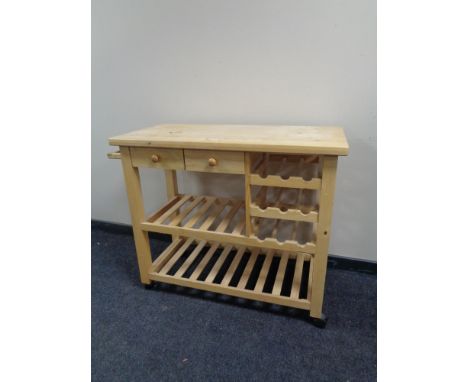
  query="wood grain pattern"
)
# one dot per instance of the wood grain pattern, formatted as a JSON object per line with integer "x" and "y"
{"x": 257, "y": 138}
{"x": 280, "y": 276}
{"x": 263, "y": 272}
{"x": 248, "y": 269}
{"x": 232, "y": 268}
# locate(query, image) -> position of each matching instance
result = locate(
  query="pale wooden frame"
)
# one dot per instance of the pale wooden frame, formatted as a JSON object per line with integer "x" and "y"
{"x": 319, "y": 250}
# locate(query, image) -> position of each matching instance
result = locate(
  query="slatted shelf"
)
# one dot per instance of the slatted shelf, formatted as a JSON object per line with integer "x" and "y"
{"x": 236, "y": 271}
{"x": 221, "y": 219}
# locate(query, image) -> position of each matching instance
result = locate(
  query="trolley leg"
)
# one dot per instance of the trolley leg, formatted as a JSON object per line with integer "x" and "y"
{"x": 150, "y": 285}
{"x": 171, "y": 189}
{"x": 320, "y": 322}
{"x": 319, "y": 262}
{"x": 137, "y": 212}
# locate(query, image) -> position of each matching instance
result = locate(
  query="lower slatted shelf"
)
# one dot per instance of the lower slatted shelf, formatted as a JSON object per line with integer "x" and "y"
{"x": 275, "y": 277}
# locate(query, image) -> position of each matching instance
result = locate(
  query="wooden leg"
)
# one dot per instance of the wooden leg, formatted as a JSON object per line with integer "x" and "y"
{"x": 319, "y": 268}
{"x": 171, "y": 183}
{"x": 137, "y": 212}
{"x": 171, "y": 189}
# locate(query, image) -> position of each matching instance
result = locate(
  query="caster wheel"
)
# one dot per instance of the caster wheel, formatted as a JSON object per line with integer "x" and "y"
{"x": 319, "y": 322}
{"x": 149, "y": 286}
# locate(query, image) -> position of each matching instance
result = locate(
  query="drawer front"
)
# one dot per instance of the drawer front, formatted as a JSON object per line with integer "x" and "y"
{"x": 157, "y": 158}
{"x": 229, "y": 162}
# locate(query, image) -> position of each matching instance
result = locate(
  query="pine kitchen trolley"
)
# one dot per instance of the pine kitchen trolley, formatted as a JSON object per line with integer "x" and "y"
{"x": 242, "y": 248}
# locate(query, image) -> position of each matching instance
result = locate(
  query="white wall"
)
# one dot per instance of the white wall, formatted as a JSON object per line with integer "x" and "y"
{"x": 243, "y": 61}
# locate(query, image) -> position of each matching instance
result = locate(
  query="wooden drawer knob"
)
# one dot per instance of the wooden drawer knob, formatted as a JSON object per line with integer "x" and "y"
{"x": 155, "y": 158}
{"x": 212, "y": 162}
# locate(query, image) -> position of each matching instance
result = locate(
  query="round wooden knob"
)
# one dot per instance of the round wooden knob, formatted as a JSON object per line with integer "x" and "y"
{"x": 212, "y": 162}
{"x": 155, "y": 158}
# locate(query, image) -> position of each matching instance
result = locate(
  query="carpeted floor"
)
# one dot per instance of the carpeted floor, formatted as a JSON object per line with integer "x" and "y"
{"x": 179, "y": 334}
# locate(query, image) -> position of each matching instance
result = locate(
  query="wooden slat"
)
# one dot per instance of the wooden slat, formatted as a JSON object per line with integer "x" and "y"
{"x": 165, "y": 255}
{"x": 231, "y": 291}
{"x": 190, "y": 259}
{"x": 177, "y": 219}
{"x": 280, "y": 275}
{"x": 291, "y": 182}
{"x": 173, "y": 209}
{"x": 204, "y": 262}
{"x": 163, "y": 209}
{"x": 296, "y": 285}
{"x": 239, "y": 227}
{"x": 176, "y": 256}
{"x": 227, "y": 219}
{"x": 232, "y": 268}
{"x": 214, "y": 214}
{"x": 194, "y": 219}
{"x": 248, "y": 269}
{"x": 222, "y": 258}
{"x": 264, "y": 272}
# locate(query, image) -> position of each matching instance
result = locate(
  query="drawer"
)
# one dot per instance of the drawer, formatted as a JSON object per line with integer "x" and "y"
{"x": 229, "y": 162}
{"x": 157, "y": 158}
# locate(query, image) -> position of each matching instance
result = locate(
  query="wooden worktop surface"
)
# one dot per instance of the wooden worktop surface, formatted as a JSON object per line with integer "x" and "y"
{"x": 264, "y": 138}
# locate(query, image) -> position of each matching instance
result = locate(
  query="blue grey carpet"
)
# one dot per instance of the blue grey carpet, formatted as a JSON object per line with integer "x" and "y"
{"x": 178, "y": 334}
